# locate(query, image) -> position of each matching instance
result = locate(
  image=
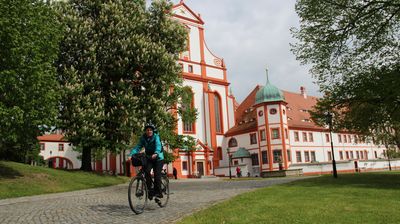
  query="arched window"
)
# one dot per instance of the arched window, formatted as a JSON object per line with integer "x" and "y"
{"x": 232, "y": 142}
{"x": 218, "y": 113}
{"x": 219, "y": 150}
{"x": 189, "y": 126}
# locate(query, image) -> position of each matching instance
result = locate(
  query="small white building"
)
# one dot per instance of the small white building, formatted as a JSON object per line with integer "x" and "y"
{"x": 58, "y": 153}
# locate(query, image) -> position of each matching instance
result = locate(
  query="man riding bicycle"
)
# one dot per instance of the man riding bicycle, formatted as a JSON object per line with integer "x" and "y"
{"x": 155, "y": 159}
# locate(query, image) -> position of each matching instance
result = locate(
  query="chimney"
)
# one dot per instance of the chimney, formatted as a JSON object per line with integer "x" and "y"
{"x": 303, "y": 92}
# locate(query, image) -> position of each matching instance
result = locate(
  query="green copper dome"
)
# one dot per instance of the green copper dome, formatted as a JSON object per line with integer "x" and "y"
{"x": 269, "y": 93}
{"x": 241, "y": 153}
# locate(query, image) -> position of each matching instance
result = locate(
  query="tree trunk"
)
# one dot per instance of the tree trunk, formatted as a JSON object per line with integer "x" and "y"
{"x": 86, "y": 159}
{"x": 123, "y": 162}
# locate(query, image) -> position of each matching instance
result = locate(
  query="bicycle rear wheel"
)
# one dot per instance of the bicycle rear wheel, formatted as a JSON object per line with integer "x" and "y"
{"x": 137, "y": 195}
{"x": 162, "y": 202}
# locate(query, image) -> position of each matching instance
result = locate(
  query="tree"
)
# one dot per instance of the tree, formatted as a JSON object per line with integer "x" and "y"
{"x": 353, "y": 49}
{"x": 118, "y": 68}
{"x": 29, "y": 38}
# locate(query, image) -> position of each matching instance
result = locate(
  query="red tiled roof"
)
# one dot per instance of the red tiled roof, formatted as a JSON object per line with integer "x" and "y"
{"x": 245, "y": 116}
{"x": 297, "y": 112}
{"x": 51, "y": 138}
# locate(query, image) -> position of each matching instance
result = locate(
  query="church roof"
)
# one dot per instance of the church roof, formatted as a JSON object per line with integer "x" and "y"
{"x": 269, "y": 93}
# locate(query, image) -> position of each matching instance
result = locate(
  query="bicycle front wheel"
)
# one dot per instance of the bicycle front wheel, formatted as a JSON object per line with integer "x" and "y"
{"x": 137, "y": 194}
{"x": 162, "y": 202}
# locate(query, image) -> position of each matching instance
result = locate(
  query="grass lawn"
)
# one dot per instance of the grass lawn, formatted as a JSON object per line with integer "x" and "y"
{"x": 17, "y": 179}
{"x": 352, "y": 198}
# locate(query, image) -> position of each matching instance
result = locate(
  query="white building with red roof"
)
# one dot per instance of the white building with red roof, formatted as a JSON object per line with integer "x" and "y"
{"x": 274, "y": 131}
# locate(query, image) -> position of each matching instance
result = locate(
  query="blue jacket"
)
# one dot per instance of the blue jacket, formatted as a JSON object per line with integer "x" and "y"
{"x": 151, "y": 145}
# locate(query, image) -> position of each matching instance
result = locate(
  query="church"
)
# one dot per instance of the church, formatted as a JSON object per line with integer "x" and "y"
{"x": 270, "y": 131}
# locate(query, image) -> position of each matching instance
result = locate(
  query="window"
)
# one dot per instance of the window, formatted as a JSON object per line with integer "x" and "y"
{"x": 351, "y": 154}
{"x": 264, "y": 155}
{"x": 358, "y": 154}
{"x": 329, "y": 156}
{"x": 310, "y": 137}
{"x": 361, "y": 155}
{"x": 296, "y": 136}
{"x": 275, "y": 133}
{"x": 366, "y": 155}
{"x": 327, "y": 138}
{"x": 188, "y": 127}
{"x": 355, "y": 139}
{"x": 340, "y": 138}
{"x": 60, "y": 147}
{"x": 376, "y": 154}
{"x": 289, "y": 156}
{"x": 253, "y": 139}
{"x": 286, "y": 134}
{"x": 217, "y": 114}
{"x": 349, "y": 138}
{"x": 313, "y": 159}
{"x": 298, "y": 157}
{"x": 304, "y": 136}
{"x": 341, "y": 155}
{"x": 41, "y": 146}
{"x": 190, "y": 68}
{"x": 254, "y": 159}
{"x": 236, "y": 162}
{"x": 306, "y": 156}
{"x": 272, "y": 111}
{"x": 344, "y": 138}
{"x": 277, "y": 156}
{"x": 219, "y": 150}
{"x": 262, "y": 135}
{"x": 232, "y": 142}
{"x": 347, "y": 155}
{"x": 185, "y": 165}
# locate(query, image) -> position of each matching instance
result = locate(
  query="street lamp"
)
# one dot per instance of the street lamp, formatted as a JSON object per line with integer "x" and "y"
{"x": 329, "y": 119}
{"x": 229, "y": 163}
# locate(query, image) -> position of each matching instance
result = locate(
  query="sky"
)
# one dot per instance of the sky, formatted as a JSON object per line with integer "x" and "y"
{"x": 251, "y": 36}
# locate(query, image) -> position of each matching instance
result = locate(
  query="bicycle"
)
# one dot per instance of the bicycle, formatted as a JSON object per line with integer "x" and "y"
{"x": 138, "y": 192}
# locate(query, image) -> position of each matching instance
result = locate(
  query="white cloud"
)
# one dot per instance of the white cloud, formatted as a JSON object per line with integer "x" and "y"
{"x": 251, "y": 35}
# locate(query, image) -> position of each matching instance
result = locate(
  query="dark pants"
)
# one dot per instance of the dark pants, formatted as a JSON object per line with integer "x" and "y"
{"x": 157, "y": 167}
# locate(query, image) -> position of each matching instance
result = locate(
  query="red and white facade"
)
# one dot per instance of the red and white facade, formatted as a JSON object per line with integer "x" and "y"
{"x": 281, "y": 133}
{"x": 206, "y": 74}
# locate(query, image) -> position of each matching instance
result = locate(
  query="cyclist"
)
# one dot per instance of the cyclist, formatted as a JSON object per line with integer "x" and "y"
{"x": 155, "y": 158}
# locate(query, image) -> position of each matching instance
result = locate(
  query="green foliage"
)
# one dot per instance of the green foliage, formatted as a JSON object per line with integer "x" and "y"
{"x": 353, "y": 47}
{"x": 29, "y": 91}
{"x": 168, "y": 157}
{"x": 117, "y": 68}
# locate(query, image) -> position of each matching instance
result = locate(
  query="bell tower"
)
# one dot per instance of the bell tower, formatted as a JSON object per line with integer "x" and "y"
{"x": 272, "y": 127}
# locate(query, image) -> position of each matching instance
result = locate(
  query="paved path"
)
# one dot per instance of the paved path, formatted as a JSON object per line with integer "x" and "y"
{"x": 110, "y": 204}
